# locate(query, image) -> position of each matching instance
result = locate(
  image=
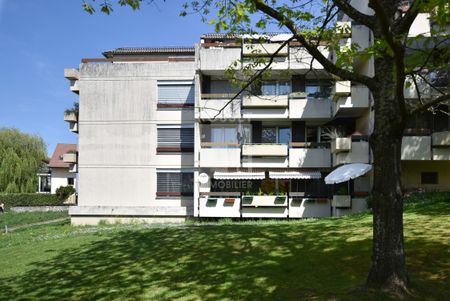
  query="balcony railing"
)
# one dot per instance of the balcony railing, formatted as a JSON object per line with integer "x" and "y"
{"x": 342, "y": 144}
{"x": 358, "y": 153}
{"x": 308, "y": 157}
{"x": 210, "y": 105}
{"x": 265, "y": 150}
{"x": 220, "y": 155}
{"x": 416, "y": 148}
{"x": 264, "y": 101}
{"x": 70, "y": 158}
{"x": 264, "y": 49}
{"x": 441, "y": 138}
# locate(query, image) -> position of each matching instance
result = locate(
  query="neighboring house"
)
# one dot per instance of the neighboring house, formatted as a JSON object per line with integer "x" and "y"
{"x": 44, "y": 179}
{"x": 62, "y": 173}
{"x": 150, "y": 147}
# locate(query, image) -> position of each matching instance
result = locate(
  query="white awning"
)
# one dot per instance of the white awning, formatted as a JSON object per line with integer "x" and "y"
{"x": 219, "y": 175}
{"x": 347, "y": 172}
{"x": 295, "y": 175}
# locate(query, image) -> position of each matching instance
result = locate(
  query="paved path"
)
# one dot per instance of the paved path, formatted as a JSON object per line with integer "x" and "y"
{"x": 37, "y": 224}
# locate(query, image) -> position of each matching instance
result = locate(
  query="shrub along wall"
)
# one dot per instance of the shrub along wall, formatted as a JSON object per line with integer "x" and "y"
{"x": 29, "y": 199}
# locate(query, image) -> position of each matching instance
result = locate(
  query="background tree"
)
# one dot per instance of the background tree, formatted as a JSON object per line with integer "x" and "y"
{"x": 21, "y": 155}
{"x": 399, "y": 61}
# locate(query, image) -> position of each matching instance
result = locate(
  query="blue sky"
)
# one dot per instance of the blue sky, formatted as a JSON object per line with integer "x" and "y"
{"x": 39, "y": 38}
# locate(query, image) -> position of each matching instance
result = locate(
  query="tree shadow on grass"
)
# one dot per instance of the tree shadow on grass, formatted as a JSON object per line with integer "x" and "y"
{"x": 223, "y": 262}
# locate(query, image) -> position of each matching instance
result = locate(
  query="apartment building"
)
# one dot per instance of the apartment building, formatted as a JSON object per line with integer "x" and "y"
{"x": 162, "y": 135}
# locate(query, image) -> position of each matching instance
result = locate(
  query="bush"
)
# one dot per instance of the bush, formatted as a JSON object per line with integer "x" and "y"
{"x": 63, "y": 192}
{"x": 29, "y": 199}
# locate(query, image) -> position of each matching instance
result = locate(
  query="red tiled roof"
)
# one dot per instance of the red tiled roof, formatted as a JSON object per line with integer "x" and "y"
{"x": 57, "y": 157}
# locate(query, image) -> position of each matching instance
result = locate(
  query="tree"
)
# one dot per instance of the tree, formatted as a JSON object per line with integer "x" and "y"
{"x": 399, "y": 61}
{"x": 21, "y": 155}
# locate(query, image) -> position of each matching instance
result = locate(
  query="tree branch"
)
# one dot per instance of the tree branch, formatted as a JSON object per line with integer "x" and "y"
{"x": 314, "y": 51}
{"x": 434, "y": 102}
{"x": 356, "y": 15}
{"x": 402, "y": 25}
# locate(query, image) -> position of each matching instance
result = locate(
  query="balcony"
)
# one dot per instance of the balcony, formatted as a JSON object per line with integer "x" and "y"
{"x": 265, "y": 150}
{"x": 300, "y": 59}
{"x": 72, "y": 119}
{"x": 265, "y": 107}
{"x": 343, "y": 144}
{"x": 218, "y": 58}
{"x": 309, "y": 157}
{"x": 416, "y": 148}
{"x": 300, "y": 107}
{"x": 264, "y": 206}
{"x": 73, "y": 76}
{"x": 70, "y": 158}
{"x": 441, "y": 138}
{"x": 220, "y": 204}
{"x": 211, "y": 104}
{"x": 265, "y": 101}
{"x": 352, "y": 105}
{"x": 220, "y": 155}
{"x": 341, "y": 89}
{"x": 358, "y": 153}
{"x": 343, "y": 201}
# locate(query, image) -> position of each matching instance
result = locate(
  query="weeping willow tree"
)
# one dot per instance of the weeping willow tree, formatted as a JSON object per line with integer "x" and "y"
{"x": 21, "y": 156}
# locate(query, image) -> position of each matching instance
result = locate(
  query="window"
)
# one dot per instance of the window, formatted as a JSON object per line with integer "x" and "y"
{"x": 269, "y": 135}
{"x": 276, "y": 87}
{"x": 174, "y": 138}
{"x": 429, "y": 178}
{"x": 318, "y": 89}
{"x": 280, "y": 135}
{"x": 174, "y": 183}
{"x": 70, "y": 181}
{"x": 226, "y": 135}
{"x": 175, "y": 94}
{"x": 312, "y": 134}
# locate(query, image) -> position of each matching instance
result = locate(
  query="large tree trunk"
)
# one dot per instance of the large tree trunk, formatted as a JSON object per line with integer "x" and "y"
{"x": 388, "y": 270}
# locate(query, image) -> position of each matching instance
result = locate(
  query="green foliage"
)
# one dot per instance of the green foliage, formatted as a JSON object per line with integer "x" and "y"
{"x": 324, "y": 259}
{"x": 16, "y": 219}
{"x": 63, "y": 192}
{"x": 29, "y": 199}
{"x": 74, "y": 109}
{"x": 21, "y": 156}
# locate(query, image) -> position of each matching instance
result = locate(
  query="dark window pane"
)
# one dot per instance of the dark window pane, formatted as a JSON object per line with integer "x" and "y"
{"x": 269, "y": 135}
{"x": 429, "y": 178}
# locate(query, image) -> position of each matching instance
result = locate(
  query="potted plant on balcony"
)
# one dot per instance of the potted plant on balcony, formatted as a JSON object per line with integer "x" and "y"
{"x": 71, "y": 115}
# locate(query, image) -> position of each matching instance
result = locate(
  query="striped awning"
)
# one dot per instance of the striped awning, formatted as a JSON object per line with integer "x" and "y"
{"x": 295, "y": 175}
{"x": 238, "y": 175}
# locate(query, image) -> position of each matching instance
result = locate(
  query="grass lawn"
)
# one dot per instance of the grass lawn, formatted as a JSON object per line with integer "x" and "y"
{"x": 324, "y": 259}
{"x": 13, "y": 219}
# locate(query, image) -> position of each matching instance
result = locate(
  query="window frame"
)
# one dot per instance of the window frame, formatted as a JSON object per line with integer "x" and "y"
{"x": 167, "y": 104}
{"x": 168, "y": 194}
{"x": 175, "y": 149}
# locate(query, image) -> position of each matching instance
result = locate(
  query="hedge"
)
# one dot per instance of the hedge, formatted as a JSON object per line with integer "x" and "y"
{"x": 30, "y": 199}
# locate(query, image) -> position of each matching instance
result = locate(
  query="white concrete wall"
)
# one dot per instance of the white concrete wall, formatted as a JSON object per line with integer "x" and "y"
{"x": 118, "y": 134}
{"x": 59, "y": 178}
